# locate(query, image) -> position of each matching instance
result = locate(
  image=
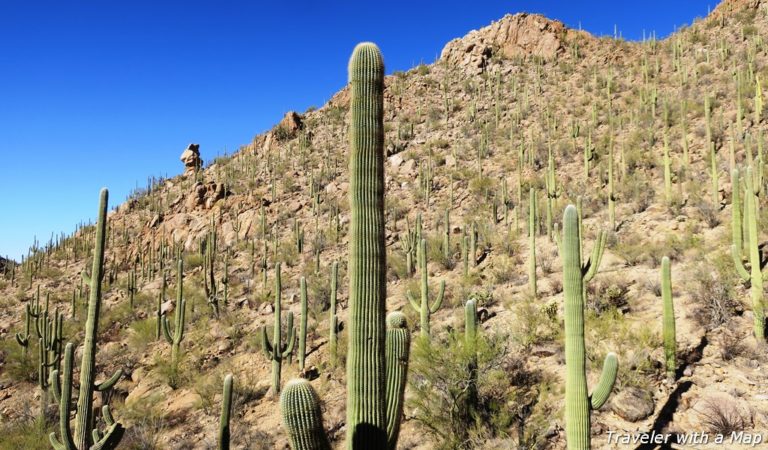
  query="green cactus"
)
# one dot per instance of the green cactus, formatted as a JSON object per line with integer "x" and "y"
{"x": 423, "y": 307}
{"x": 85, "y": 436}
{"x": 397, "y": 345}
{"x": 577, "y": 403}
{"x": 132, "y": 286}
{"x": 276, "y": 351}
{"x": 367, "y": 424}
{"x": 366, "y": 407}
{"x": 756, "y": 260}
{"x": 670, "y": 342}
{"x": 181, "y": 305}
{"x": 302, "y": 417}
{"x": 667, "y": 171}
{"x": 447, "y": 236}
{"x": 470, "y": 340}
{"x": 23, "y": 339}
{"x": 226, "y": 410}
{"x": 408, "y": 245}
{"x": 303, "y": 324}
{"x": 333, "y": 319}
{"x": 532, "y": 243}
{"x": 159, "y": 312}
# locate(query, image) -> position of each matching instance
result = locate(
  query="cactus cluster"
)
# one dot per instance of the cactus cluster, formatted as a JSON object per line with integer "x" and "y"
{"x": 85, "y": 436}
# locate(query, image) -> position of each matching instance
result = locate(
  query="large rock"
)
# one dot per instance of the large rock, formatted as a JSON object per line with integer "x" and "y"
{"x": 290, "y": 124}
{"x": 521, "y": 34}
{"x": 632, "y": 404}
{"x": 191, "y": 158}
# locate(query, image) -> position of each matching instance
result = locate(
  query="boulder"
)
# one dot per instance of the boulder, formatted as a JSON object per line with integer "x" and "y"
{"x": 191, "y": 158}
{"x": 632, "y": 404}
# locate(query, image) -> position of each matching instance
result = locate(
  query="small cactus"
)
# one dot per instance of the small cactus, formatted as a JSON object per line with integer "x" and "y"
{"x": 226, "y": 410}
{"x": 181, "y": 305}
{"x": 423, "y": 307}
{"x": 670, "y": 342}
{"x": 276, "y": 351}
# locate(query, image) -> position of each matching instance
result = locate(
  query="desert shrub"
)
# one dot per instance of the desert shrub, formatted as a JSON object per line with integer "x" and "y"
{"x": 714, "y": 294}
{"x": 440, "y": 395}
{"x": 721, "y": 417}
{"x": 606, "y": 294}
{"x": 533, "y": 323}
{"x": 25, "y": 434}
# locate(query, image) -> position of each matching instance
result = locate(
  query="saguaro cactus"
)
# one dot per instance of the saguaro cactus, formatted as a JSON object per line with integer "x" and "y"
{"x": 532, "y": 243}
{"x": 756, "y": 260}
{"x": 367, "y": 424}
{"x": 423, "y": 307}
{"x": 577, "y": 403}
{"x": 85, "y": 434}
{"x": 181, "y": 305}
{"x": 397, "y": 347}
{"x": 303, "y": 324}
{"x": 333, "y": 319}
{"x": 670, "y": 342}
{"x": 226, "y": 410}
{"x": 276, "y": 351}
{"x": 302, "y": 417}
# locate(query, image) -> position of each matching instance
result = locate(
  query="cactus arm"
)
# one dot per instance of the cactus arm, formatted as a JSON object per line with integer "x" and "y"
{"x": 291, "y": 342}
{"x": 55, "y": 384}
{"x": 596, "y": 258}
{"x": 740, "y": 269}
{"x": 180, "y": 325}
{"x": 86, "y": 277}
{"x": 439, "y": 300}
{"x": 226, "y": 410}
{"x": 167, "y": 330}
{"x": 397, "y": 350}
{"x": 414, "y": 304}
{"x": 65, "y": 394}
{"x": 302, "y": 417}
{"x": 607, "y": 379}
{"x": 111, "y": 438}
{"x": 22, "y": 341}
{"x": 265, "y": 345}
{"x": 109, "y": 382}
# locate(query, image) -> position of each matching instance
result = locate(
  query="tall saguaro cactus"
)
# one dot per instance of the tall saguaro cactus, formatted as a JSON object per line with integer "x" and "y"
{"x": 303, "y": 324}
{"x": 369, "y": 420}
{"x": 398, "y": 348}
{"x": 423, "y": 307}
{"x": 670, "y": 342}
{"x": 756, "y": 260}
{"x": 85, "y": 436}
{"x": 578, "y": 403}
{"x": 181, "y": 305}
{"x": 276, "y": 351}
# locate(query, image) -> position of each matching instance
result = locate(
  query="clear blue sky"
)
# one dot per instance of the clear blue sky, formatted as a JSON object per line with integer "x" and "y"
{"x": 106, "y": 93}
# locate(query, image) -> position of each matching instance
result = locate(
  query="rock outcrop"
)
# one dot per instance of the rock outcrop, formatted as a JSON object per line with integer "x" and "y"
{"x": 191, "y": 158}
{"x": 516, "y": 35}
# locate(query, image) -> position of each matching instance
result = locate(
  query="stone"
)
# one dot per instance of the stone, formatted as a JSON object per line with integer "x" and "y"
{"x": 632, "y": 404}
{"x": 291, "y": 123}
{"x": 191, "y": 159}
{"x": 396, "y": 160}
{"x": 516, "y": 35}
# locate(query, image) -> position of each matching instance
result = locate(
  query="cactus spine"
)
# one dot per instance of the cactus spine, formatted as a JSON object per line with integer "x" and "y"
{"x": 757, "y": 263}
{"x": 577, "y": 403}
{"x": 84, "y": 432}
{"x": 226, "y": 410}
{"x": 181, "y": 305}
{"x": 670, "y": 342}
{"x": 423, "y": 308}
{"x": 276, "y": 351}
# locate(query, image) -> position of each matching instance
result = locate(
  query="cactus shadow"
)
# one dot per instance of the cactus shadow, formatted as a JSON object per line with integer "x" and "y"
{"x": 665, "y": 415}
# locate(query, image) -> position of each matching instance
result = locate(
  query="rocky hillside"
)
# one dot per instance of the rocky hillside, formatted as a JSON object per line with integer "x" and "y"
{"x": 643, "y": 136}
